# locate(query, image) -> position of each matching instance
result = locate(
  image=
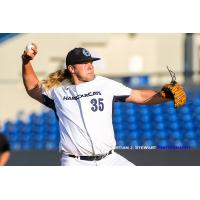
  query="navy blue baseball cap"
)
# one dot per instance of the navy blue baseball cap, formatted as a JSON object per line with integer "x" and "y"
{"x": 79, "y": 55}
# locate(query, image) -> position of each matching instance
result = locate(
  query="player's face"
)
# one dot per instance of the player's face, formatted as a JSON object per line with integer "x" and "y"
{"x": 83, "y": 72}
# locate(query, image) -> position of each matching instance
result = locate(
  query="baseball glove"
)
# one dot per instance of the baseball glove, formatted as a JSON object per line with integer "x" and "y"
{"x": 174, "y": 91}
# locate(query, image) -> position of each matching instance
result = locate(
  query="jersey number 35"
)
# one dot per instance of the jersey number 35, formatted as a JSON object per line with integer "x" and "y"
{"x": 97, "y": 104}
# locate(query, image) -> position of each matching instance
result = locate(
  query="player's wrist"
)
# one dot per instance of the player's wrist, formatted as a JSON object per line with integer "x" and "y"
{"x": 25, "y": 59}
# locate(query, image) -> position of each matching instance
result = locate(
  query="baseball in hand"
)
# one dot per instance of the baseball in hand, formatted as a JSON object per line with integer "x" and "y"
{"x": 29, "y": 47}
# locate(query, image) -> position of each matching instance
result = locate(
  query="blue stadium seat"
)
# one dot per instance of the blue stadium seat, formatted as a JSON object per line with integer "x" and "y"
{"x": 133, "y": 135}
{"x": 39, "y": 145}
{"x": 118, "y": 127}
{"x": 130, "y": 112}
{"x": 117, "y": 105}
{"x": 119, "y": 135}
{"x": 26, "y": 146}
{"x": 14, "y": 136}
{"x": 120, "y": 143}
{"x": 162, "y": 143}
{"x": 51, "y": 145}
{"x": 147, "y": 135}
{"x": 133, "y": 143}
{"x": 193, "y": 143}
{"x": 131, "y": 119}
{"x": 196, "y": 102}
{"x": 190, "y": 134}
{"x": 15, "y": 145}
{"x": 187, "y": 125}
{"x": 143, "y": 119}
{"x": 26, "y": 137}
{"x": 159, "y": 127}
{"x": 161, "y": 135}
{"x": 148, "y": 143}
{"x": 177, "y": 143}
{"x": 39, "y": 136}
{"x": 195, "y": 110}
{"x": 131, "y": 128}
{"x": 157, "y": 119}
{"x": 174, "y": 126}
{"x": 175, "y": 135}
{"x": 155, "y": 110}
{"x": 145, "y": 127}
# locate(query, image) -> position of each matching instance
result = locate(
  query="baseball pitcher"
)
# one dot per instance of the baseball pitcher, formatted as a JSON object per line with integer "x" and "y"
{"x": 82, "y": 102}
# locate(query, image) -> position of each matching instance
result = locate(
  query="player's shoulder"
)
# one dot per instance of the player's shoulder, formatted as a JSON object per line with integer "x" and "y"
{"x": 108, "y": 81}
{"x": 61, "y": 87}
{"x": 103, "y": 78}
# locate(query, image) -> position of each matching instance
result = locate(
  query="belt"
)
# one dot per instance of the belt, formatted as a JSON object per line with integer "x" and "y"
{"x": 91, "y": 158}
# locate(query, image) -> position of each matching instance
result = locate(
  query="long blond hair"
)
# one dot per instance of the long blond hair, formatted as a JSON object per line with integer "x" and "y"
{"x": 57, "y": 78}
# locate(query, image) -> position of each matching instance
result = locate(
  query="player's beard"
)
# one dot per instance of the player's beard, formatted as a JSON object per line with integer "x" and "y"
{"x": 89, "y": 75}
{"x": 86, "y": 77}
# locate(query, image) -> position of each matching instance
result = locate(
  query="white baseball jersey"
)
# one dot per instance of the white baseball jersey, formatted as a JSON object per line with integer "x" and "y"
{"x": 84, "y": 112}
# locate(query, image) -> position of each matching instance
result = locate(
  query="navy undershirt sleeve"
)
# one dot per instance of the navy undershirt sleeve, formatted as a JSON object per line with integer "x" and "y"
{"x": 50, "y": 104}
{"x": 120, "y": 98}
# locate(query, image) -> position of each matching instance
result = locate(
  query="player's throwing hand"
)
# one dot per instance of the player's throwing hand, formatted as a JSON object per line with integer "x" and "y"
{"x": 29, "y": 52}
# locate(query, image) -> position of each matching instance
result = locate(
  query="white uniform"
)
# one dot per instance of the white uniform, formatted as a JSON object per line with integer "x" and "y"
{"x": 85, "y": 120}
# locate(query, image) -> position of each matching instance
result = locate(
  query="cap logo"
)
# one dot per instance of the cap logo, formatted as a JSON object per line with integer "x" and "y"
{"x": 86, "y": 53}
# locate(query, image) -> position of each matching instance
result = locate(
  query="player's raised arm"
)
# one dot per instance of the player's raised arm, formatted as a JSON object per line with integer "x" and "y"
{"x": 30, "y": 79}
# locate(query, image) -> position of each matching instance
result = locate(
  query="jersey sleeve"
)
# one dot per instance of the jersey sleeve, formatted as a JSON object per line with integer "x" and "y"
{"x": 48, "y": 93}
{"x": 48, "y": 98}
{"x": 120, "y": 91}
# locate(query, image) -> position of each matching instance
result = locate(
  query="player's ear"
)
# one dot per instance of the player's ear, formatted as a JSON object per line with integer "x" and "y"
{"x": 70, "y": 68}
